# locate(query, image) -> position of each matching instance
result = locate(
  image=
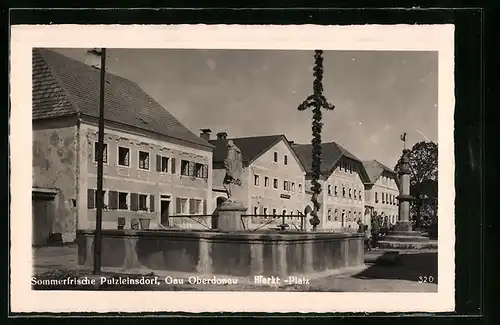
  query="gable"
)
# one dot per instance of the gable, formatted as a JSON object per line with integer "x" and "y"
{"x": 282, "y": 150}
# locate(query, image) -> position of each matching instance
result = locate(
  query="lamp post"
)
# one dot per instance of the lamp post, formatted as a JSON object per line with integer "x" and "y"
{"x": 100, "y": 161}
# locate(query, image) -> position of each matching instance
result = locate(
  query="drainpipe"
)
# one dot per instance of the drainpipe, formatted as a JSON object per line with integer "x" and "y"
{"x": 77, "y": 173}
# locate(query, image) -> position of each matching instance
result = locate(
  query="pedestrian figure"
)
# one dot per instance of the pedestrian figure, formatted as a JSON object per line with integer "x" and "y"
{"x": 375, "y": 229}
{"x": 361, "y": 227}
{"x": 368, "y": 244}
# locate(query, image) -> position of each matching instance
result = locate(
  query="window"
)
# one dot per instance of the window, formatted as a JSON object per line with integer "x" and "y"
{"x": 265, "y": 211}
{"x": 275, "y": 157}
{"x": 266, "y": 181}
{"x": 336, "y": 215}
{"x": 329, "y": 214}
{"x": 198, "y": 168}
{"x": 336, "y": 191}
{"x": 143, "y": 202}
{"x": 349, "y": 216}
{"x": 103, "y": 199}
{"x": 182, "y": 206}
{"x": 360, "y": 194}
{"x": 343, "y": 191}
{"x": 283, "y": 213}
{"x": 185, "y": 167}
{"x": 123, "y": 156}
{"x": 164, "y": 164}
{"x": 376, "y": 197}
{"x": 274, "y": 212}
{"x": 92, "y": 199}
{"x": 255, "y": 210}
{"x": 350, "y": 193}
{"x": 286, "y": 185}
{"x": 256, "y": 180}
{"x": 195, "y": 206}
{"x": 104, "y": 154}
{"x": 350, "y": 169}
{"x": 329, "y": 190}
{"x": 143, "y": 160}
{"x": 300, "y": 188}
{"x": 285, "y": 159}
{"x": 275, "y": 183}
{"x": 355, "y": 195}
{"x": 383, "y": 197}
{"x": 293, "y": 187}
{"x": 123, "y": 201}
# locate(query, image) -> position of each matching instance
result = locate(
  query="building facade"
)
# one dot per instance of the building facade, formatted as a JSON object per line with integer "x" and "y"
{"x": 342, "y": 182}
{"x": 273, "y": 179}
{"x": 381, "y": 191}
{"x": 154, "y": 167}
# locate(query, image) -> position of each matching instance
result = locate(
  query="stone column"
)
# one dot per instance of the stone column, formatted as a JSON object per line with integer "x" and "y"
{"x": 404, "y": 197}
{"x": 230, "y": 216}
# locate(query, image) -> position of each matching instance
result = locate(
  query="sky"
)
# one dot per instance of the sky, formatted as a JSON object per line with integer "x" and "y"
{"x": 378, "y": 95}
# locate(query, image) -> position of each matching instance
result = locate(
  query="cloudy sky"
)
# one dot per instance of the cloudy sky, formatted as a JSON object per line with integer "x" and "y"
{"x": 378, "y": 94}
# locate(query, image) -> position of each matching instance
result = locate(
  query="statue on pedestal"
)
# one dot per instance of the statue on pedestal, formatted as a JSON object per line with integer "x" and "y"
{"x": 234, "y": 167}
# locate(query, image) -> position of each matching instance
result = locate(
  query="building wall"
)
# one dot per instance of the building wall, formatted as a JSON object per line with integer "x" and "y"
{"x": 388, "y": 204}
{"x": 342, "y": 197}
{"x": 290, "y": 200}
{"x": 54, "y": 166}
{"x": 152, "y": 182}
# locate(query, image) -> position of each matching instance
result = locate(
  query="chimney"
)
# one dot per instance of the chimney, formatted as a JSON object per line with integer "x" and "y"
{"x": 205, "y": 134}
{"x": 222, "y": 135}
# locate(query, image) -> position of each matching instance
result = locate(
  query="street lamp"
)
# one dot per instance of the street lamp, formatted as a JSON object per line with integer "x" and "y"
{"x": 100, "y": 160}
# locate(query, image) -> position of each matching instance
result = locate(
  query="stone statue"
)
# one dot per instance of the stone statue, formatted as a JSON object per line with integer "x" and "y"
{"x": 234, "y": 167}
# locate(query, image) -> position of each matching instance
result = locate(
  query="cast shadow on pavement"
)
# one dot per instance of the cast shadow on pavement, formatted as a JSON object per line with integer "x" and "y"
{"x": 418, "y": 267}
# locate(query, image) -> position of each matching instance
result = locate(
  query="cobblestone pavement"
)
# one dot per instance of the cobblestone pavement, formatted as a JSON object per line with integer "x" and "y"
{"x": 404, "y": 277}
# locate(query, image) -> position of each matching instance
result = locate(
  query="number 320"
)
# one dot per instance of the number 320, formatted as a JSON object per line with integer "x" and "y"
{"x": 426, "y": 279}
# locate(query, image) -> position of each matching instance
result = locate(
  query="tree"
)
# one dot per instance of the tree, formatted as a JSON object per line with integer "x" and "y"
{"x": 316, "y": 101}
{"x": 423, "y": 178}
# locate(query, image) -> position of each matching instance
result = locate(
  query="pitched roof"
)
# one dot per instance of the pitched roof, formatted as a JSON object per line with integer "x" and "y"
{"x": 375, "y": 168}
{"x": 251, "y": 147}
{"x": 330, "y": 154}
{"x": 63, "y": 86}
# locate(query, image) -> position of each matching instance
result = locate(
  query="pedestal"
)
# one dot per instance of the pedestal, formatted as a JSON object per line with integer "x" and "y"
{"x": 229, "y": 218}
{"x": 403, "y": 225}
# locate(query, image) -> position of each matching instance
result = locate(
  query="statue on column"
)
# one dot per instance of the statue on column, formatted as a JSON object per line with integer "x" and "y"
{"x": 234, "y": 167}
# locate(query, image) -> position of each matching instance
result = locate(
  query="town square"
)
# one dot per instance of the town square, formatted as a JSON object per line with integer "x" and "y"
{"x": 124, "y": 187}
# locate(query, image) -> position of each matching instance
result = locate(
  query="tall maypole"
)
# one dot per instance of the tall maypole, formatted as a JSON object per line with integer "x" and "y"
{"x": 316, "y": 101}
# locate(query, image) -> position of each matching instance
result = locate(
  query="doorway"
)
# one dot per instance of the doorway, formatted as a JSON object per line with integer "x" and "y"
{"x": 165, "y": 210}
{"x": 43, "y": 208}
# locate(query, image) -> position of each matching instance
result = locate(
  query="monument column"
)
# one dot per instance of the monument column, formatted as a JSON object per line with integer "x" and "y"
{"x": 404, "y": 197}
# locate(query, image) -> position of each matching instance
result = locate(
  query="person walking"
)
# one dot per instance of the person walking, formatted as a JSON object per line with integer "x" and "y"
{"x": 375, "y": 229}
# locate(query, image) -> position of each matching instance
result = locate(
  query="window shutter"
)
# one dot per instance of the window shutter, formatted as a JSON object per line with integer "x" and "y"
{"x": 90, "y": 198}
{"x": 151, "y": 203}
{"x": 173, "y": 166}
{"x": 192, "y": 206}
{"x": 191, "y": 169}
{"x": 113, "y": 200}
{"x": 204, "y": 206}
{"x": 134, "y": 201}
{"x": 158, "y": 163}
{"x": 178, "y": 205}
{"x": 205, "y": 171}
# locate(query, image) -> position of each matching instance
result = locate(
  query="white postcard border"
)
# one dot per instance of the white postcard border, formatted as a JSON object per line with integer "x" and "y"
{"x": 360, "y": 37}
